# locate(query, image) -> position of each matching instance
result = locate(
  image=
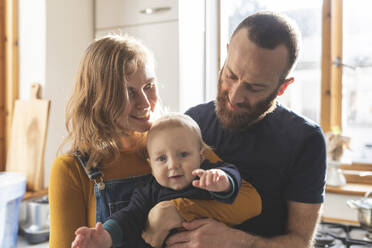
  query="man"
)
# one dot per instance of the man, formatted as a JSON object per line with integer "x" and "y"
{"x": 281, "y": 153}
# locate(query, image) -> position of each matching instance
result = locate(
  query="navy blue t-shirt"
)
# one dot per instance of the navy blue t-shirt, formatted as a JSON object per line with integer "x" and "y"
{"x": 283, "y": 156}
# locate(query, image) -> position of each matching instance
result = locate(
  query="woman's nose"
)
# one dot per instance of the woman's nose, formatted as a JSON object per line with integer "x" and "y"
{"x": 142, "y": 101}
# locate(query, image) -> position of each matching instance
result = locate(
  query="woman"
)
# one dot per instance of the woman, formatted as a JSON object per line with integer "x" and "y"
{"x": 111, "y": 107}
{"x": 107, "y": 116}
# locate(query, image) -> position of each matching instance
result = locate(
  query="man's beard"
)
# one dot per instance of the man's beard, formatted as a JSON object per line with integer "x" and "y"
{"x": 242, "y": 120}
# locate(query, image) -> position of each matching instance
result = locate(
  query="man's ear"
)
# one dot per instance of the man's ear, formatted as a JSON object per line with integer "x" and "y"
{"x": 284, "y": 86}
{"x": 148, "y": 161}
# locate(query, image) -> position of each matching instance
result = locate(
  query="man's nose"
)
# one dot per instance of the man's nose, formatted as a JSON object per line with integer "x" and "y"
{"x": 236, "y": 93}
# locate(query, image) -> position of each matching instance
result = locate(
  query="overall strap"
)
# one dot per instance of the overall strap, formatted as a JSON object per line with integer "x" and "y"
{"x": 94, "y": 174}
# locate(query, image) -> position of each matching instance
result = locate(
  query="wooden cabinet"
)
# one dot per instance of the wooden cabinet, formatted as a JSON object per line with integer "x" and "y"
{"x": 113, "y": 13}
{"x": 158, "y": 31}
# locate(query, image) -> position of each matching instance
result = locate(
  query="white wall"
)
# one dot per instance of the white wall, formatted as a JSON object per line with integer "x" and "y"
{"x": 198, "y": 52}
{"x": 32, "y": 38}
{"x": 69, "y": 30}
{"x": 191, "y": 53}
{"x": 211, "y": 50}
{"x": 53, "y": 35}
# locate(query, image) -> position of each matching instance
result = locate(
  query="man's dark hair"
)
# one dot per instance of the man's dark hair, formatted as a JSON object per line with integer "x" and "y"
{"x": 268, "y": 30}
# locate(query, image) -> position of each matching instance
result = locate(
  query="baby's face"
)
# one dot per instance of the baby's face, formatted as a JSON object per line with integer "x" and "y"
{"x": 174, "y": 153}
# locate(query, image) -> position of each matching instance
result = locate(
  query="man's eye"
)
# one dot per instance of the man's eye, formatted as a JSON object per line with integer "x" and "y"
{"x": 255, "y": 89}
{"x": 161, "y": 158}
{"x": 231, "y": 76}
{"x": 184, "y": 154}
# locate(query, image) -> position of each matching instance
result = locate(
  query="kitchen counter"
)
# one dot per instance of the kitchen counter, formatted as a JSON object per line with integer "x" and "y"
{"x": 350, "y": 189}
{"x": 335, "y": 206}
{"x": 22, "y": 243}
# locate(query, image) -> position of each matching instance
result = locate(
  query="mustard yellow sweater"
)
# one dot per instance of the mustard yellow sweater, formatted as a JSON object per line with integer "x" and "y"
{"x": 72, "y": 201}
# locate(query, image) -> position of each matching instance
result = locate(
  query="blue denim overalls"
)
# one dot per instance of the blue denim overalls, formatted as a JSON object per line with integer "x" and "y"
{"x": 111, "y": 195}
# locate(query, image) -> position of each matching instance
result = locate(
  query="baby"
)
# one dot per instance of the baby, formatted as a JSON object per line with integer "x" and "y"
{"x": 176, "y": 156}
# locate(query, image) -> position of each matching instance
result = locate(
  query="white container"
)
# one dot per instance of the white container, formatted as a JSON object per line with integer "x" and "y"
{"x": 12, "y": 189}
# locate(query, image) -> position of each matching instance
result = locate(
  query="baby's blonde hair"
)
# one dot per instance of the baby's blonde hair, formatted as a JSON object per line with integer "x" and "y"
{"x": 171, "y": 120}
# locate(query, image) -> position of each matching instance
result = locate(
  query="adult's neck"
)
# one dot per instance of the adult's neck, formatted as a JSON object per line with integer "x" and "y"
{"x": 264, "y": 114}
{"x": 132, "y": 141}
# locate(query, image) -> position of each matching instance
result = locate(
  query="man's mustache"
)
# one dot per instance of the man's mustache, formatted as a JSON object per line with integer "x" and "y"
{"x": 224, "y": 98}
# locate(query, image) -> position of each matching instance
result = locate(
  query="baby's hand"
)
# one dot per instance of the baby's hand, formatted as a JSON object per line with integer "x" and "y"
{"x": 96, "y": 237}
{"x": 162, "y": 218}
{"x": 214, "y": 180}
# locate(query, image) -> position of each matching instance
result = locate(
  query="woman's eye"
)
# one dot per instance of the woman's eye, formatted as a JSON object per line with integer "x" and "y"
{"x": 149, "y": 86}
{"x": 184, "y": 154}
{"x": 131, "y": 93}
{"x": 161, "y": 158}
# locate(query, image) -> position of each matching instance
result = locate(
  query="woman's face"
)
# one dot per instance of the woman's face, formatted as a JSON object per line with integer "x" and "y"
{"x": 142, "y": 94}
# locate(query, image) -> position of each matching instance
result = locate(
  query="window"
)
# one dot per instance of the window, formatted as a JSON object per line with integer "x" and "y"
{"x": 357, "y": 77}
{"x": 334, "y": 72}
{"x": 304, "y": 95}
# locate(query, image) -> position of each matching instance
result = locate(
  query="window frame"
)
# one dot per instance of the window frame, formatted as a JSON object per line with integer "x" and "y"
{"x": 331, "y": 82}
{"x": 9, "y": 71}
{"x": 2, "y": 85}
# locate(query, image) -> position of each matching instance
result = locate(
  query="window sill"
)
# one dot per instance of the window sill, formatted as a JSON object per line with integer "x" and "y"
{"x": 350, "y": 189}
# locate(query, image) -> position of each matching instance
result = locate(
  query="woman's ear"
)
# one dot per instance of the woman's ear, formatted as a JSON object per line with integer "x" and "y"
{"x": 203, "y": 151}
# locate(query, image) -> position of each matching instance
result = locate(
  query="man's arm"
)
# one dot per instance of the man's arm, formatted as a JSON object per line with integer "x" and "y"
{"x": 302, "y": 220}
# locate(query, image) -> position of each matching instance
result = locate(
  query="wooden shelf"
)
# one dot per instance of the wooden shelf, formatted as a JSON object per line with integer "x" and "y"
{"x": 36, "y": 194}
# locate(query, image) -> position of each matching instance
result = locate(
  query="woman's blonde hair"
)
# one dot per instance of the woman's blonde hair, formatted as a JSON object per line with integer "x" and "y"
{"x": 171, "y": 120}
{"x": 95, "y": 119}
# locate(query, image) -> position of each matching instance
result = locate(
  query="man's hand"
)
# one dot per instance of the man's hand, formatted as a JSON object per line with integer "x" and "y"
{"x": 214, "y": 180}
{"x": 96, "y": 237}
{"x": 161, "y": 219}
{"x": 206, "y": 233}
